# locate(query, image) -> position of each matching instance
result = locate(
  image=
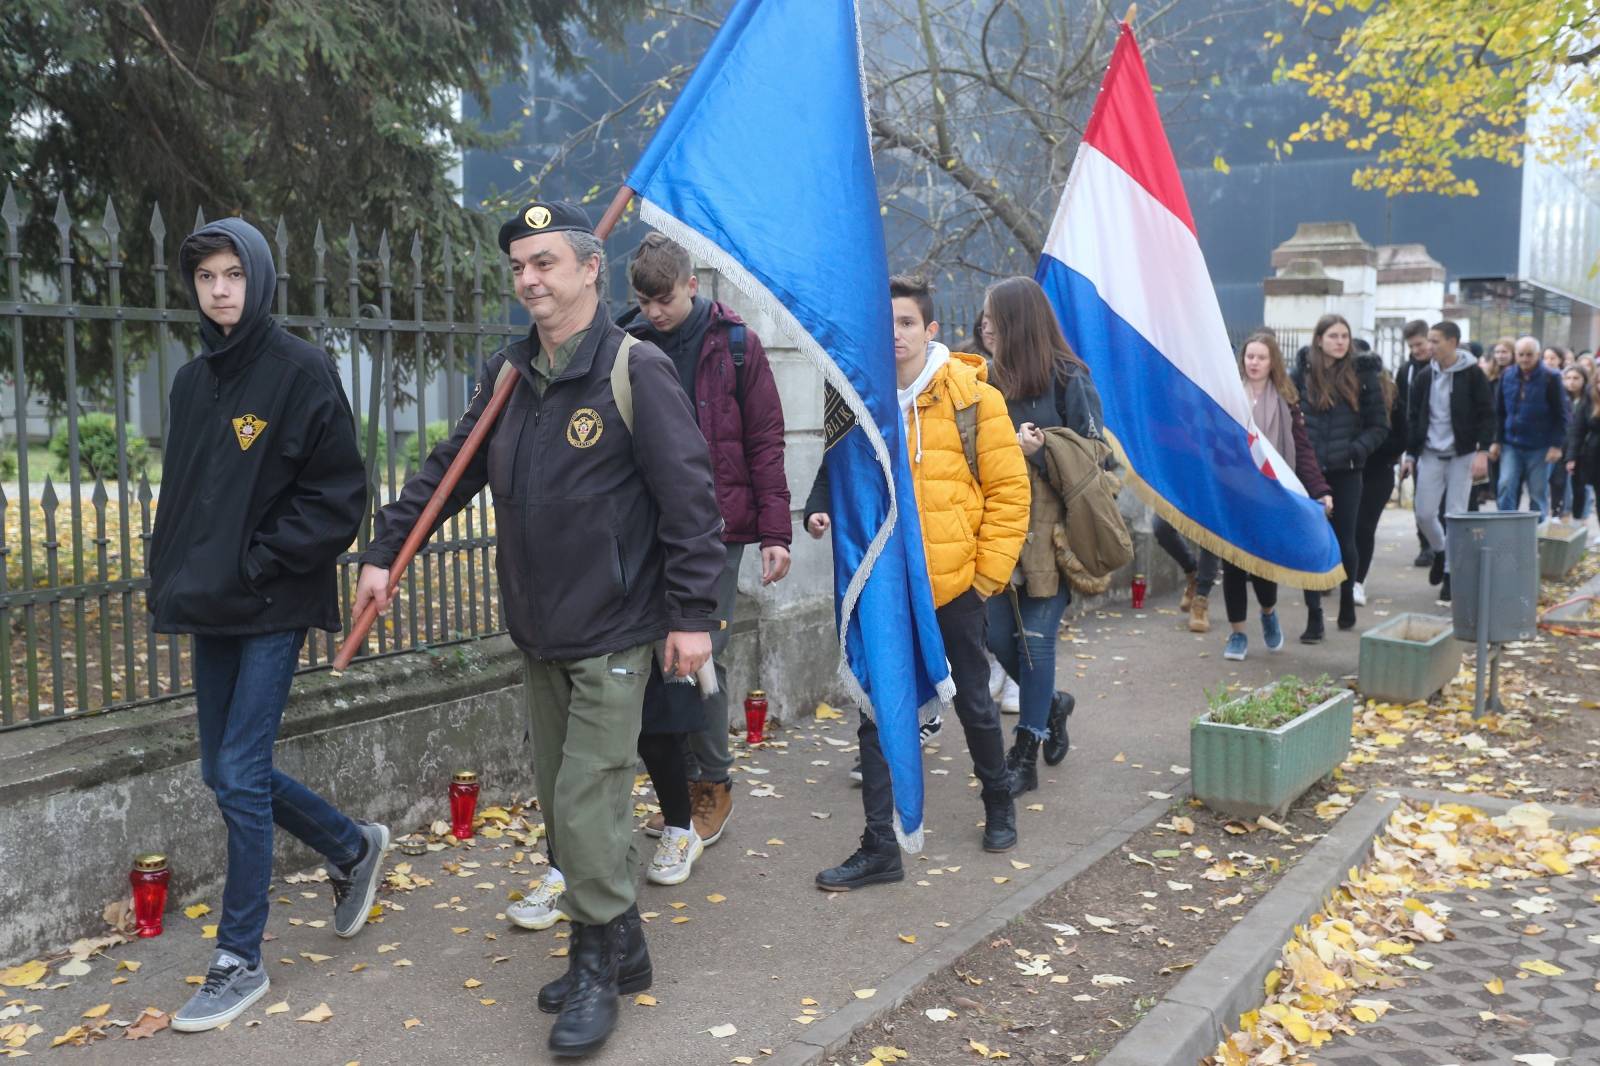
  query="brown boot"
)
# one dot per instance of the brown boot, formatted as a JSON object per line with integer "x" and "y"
{"x": 1187, "y": 599}
{"x": 1200, "y": 615}
{"x": 712, "y": 806}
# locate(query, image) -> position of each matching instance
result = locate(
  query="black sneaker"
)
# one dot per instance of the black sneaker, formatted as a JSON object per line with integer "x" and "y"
{"x": 1436, "y": 570}
{"x": 999, "y": 820}
{"x": 1314, "y": 632}
{"x": 930, "y": 729}
{"x": 1444, "y": 590}
{"x": 862, "y": 869}
{"x": 1424, "y": 558}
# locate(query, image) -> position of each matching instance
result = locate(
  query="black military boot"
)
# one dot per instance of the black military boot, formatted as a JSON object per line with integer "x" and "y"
{"x": 589, "y": 1013}
{"x": 1055, "y": 741}
{"x": 1347, "y": 606}
{"x": 1000, "y": 818}
{"x": 1022, "y": 763}
{"x": 634, "y": 973}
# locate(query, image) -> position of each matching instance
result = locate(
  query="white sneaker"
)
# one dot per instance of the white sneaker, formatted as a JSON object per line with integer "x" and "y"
{"x": 997, "y": 678}
{"x": 1010, "y": 698}
{"x": 1360, "y": 594}
{"x": 540, "y": 909}
{"x": 676, "y": 852}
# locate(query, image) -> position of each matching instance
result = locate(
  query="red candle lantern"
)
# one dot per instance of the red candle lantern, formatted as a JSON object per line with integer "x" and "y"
{"x": 149, "y": 878}
{"x": 755, "y": 716}
{"x": 463, "y": 803}
{"x": 1137, "y": 591}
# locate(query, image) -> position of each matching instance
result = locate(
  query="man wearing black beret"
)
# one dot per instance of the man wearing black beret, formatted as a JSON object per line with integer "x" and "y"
{"x": 608, "y": 541}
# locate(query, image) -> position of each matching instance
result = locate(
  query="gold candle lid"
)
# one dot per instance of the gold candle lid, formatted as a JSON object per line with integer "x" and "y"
{"x": 757, "y": 694}
{"x": 465, "y": 777}
{"x": 150, "y": 863}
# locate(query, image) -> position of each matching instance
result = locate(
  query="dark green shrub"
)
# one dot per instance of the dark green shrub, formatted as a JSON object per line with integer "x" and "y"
{"x": 97, "y": 449}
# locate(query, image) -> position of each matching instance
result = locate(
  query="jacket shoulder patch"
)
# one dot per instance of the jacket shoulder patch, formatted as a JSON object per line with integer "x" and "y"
{"x": 248, "y": 429}
{"x": 584, "y": 428}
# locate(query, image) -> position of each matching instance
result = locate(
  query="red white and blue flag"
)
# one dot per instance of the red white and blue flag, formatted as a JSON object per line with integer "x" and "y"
{"x": 1123, "y": 268}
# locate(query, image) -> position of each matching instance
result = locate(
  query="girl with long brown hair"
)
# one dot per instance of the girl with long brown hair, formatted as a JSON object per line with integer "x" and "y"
{"x": 1345, "y": 423}
{"x": 1046, "y": 387}
{"x": 1275, "y": 409}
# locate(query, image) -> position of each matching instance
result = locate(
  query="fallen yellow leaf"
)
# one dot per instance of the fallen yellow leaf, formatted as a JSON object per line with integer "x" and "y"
{"x": 195, "y": 910}
{"x": 908, "y": 938}
{"x": 97, "y": 1012}
{"x": 645, "y": 999}
{"x": 1497, "y": 987}
{"x": 716, "y": 897}
{"x": 472, "y": 982}
{"x": 279, "y": 1008}
{"x": 26, "y": 974}
{"x": 1541, "y": 967}
{"x": 411, "y": 1023}
{"x": 865, "y": 993}
{"x": 320, "y": 1013}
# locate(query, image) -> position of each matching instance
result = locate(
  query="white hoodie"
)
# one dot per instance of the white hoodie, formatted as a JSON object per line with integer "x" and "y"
{"x": 938, "y": 356}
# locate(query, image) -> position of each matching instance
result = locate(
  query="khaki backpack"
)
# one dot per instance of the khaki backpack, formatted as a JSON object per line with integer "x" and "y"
{"x": 1097, "y": 536}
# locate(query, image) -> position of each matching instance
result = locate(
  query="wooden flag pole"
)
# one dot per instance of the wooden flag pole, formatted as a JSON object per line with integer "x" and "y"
{"x": 504, "y": 386}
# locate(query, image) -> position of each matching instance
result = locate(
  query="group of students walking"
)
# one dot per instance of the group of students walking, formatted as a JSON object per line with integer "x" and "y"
{"x": 635, "y": 461}
{"x": 1527, "y": 420}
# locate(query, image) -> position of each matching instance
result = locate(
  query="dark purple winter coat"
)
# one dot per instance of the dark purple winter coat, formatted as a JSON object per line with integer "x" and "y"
{"x": 742, "y": 420}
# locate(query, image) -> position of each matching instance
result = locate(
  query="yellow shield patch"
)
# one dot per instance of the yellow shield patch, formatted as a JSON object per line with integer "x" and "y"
{"x": 584, "y": 428}
{"x": 248, "y": 428}
{"x": 537, "y": 216}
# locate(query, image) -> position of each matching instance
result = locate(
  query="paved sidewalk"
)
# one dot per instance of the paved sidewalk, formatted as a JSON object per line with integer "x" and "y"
{"x": 753, "y": 959}
{"x": 1445, "y": 1016}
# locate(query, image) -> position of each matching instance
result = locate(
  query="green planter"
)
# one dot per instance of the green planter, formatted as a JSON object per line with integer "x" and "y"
{"x": 1245, "y": 772}
{"x": 1561, "y": 547}
{"x": 1408, "y": 658}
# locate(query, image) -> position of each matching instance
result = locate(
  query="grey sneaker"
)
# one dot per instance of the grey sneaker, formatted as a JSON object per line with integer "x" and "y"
{"x": 352, "y": 896}
{"x": 230, "y": 987}
{"x": 541, "y": 908}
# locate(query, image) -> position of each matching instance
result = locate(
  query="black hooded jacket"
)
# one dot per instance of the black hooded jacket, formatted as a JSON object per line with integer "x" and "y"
{"x": 1342, "y": 436}
{"x": 262, "y": 486}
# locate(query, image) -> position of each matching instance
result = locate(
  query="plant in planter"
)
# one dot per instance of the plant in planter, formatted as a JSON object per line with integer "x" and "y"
{"x": 1257, "y": 753}
{"x": 1408, "y": 658}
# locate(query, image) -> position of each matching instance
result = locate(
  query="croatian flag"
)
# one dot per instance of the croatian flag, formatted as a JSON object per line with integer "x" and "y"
{"x": 763, "y": 169}
{"x": 1123, "y": 268}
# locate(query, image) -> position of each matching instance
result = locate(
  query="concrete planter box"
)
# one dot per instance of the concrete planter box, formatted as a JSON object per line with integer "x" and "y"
{"x": 1561, "y": 547}
{"x": 1408, "y": 658}
{"x": 1245, "y": 772}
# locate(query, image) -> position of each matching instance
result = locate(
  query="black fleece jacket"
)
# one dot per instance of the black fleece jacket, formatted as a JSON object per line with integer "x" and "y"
{"x": 262, "y": 486}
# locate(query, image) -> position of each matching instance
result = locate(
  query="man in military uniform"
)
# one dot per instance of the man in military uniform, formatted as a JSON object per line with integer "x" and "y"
{"x": 609, "y": 541}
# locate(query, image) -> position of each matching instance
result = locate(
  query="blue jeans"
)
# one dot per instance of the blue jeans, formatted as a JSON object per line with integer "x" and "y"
{"x": 1524, "y": 464}
{"x": 241, "y": 685}
{"x": 1030, "y": 660}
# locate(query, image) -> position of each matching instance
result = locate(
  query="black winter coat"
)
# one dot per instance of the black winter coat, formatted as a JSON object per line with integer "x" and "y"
{"x": 1583, "y": 442}
{"x": 262, "y": 486}
{"x": 1472, "y": 414}
{"x": 607, "y": 538}
{"x": 1342, "y": 437}
{"x": 1394, "y": 443}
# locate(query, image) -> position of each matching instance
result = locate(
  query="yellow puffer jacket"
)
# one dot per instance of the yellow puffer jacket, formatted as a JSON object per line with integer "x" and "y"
{"x": 971, "y": 535}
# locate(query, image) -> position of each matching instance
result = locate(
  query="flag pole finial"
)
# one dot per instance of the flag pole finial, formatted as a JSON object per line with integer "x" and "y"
{"x": 1133, "y": 10}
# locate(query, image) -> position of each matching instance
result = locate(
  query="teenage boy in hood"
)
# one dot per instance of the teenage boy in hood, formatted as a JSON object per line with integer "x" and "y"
{"x": 1450, "y": 426}
{"x": 724, "y": 371}
{"x": 262, "y": 489}
{"x": 973, "y": 529}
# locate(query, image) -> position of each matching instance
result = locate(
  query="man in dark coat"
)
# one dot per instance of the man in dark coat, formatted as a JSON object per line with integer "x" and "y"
{"x": 608, "y": 541}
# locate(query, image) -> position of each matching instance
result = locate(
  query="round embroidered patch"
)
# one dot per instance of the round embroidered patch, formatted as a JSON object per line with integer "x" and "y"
{"x": 584, "y": 428}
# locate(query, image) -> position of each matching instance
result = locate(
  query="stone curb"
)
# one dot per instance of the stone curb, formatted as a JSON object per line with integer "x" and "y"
{"x": 1201, "y": 1009}
{"x": 837, "y": 1029}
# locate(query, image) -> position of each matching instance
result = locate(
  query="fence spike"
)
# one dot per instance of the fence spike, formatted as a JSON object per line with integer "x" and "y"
{"x": 319, "y": 243}
{"x": 158, "y": 225}
{"x": 48, "y": 500}
{"x": 199, "y": 219}
{"x": 383, "y": 248}
{"x": 281, "y": 239}
{"x": 355, "y": 252}
{"x": 9, "y": 210}
{"x": 4, "y": 502}
{"x": 416, "y": 247}
{"x": 63, "y": 219}
{"x": 145, "y": 495}
{"x": 110, "y": 223}
{"x": 99, "y": 497}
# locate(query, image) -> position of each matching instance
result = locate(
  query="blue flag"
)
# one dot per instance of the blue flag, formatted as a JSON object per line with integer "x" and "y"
{"x": 763, "y": 169}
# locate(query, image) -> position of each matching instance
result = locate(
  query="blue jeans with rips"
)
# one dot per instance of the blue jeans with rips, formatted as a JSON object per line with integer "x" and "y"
{"x": 241, "y": 685}
{"x": 1029, "y": 657}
